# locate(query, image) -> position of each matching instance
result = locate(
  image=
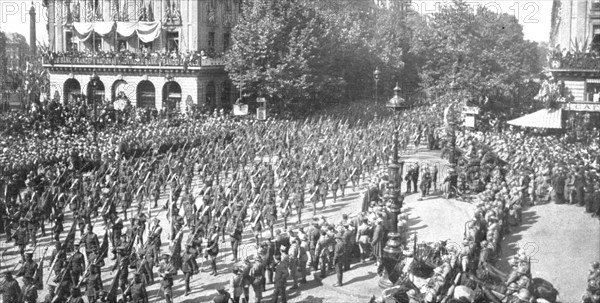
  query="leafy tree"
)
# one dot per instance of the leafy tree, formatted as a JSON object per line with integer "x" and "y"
{"x": 481, "y": 58}
{"x": 315, "y": 50}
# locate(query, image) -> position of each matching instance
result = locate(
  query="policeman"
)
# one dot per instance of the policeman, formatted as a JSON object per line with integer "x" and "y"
{"x": 27, "y": 271}
{"x": 293, "y": 255}
{"x": 281, "y": 276}
{"x": 257, "y": 277}
{"x": 138, "y": 290}
{"x": 322, "y": 253}
{"x": 93, "y": 284}
{"x": 189, "y": 266}
{"x": 166, "y": 271}
{"x": 339, "y": 259}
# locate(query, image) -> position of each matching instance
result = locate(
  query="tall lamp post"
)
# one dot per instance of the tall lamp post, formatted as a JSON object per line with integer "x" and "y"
{"x": 376, "y": 77}
{"x": 392, "y": 252}
{"x": 94, "y": 82}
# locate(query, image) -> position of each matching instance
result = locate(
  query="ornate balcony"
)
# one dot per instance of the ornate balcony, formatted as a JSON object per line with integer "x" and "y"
{"x": 153, "y": 61}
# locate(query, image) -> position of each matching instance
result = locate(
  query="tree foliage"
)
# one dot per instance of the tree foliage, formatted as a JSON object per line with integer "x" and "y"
{"x": 315, "y": 50}
{"x": 479, "y": 57}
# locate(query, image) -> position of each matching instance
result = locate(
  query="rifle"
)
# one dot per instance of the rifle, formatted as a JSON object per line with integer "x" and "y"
{"x": 87, "y": 269}
{"x": 62, "y": 279}
{"x": 40, "y": 267}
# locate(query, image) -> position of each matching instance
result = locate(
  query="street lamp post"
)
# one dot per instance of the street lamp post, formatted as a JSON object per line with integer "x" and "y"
{"x": 392, "y": 252}
{"x": 376, "y": 77}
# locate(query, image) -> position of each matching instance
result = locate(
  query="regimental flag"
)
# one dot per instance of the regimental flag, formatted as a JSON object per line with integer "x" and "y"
{"x": 103, "y": 249}
{"x": 111, "y": 296}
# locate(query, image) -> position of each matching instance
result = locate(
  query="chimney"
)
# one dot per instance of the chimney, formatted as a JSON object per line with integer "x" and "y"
{"x": 32, "y": 36}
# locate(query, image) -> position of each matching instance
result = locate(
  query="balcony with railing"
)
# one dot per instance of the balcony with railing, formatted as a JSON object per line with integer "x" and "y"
{"x": 133, "y": 60}
{"x": 578, "y": 61}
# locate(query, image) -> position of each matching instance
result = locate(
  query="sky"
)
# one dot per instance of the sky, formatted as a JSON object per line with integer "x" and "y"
{"x": 534, "y": 15}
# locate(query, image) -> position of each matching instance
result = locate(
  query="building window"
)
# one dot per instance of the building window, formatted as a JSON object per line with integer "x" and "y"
{"x": 226, "y": 39}
{"x": 145, "y": 47}
{"x": 96, "y": 43}
{"x": 211, "y": 41}
{"x": 70, "y": 45}
{"x": 592, "y": 91}
{"x": 595, "y": 45}
{"x": 173, "y": 41}
{"x": 121, "y": 45}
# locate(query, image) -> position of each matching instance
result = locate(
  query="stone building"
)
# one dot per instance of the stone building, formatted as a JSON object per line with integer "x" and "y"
{"x": 163, "y": 54}
{"x": 575, "y": 60}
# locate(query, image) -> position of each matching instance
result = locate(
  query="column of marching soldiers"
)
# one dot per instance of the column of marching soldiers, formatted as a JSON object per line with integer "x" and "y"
{"x": 297, "y": 162}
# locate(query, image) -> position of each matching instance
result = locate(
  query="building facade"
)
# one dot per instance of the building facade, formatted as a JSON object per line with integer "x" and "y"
{"x": 163, "y": 54}
{"x": 575, "y": 61}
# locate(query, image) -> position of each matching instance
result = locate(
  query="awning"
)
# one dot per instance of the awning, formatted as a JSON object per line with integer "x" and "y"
{"x": 544, "y": 118}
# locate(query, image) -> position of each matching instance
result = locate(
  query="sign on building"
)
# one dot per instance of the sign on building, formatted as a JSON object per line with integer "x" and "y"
{"x": 240, "y": 109}
{"x": 581, "y": 107}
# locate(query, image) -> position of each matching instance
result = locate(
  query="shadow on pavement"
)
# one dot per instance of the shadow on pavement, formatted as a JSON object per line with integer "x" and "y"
{"x": 371, "y": 275}
{"x": 510, "y": 241}
{"x": 311, "y": 299}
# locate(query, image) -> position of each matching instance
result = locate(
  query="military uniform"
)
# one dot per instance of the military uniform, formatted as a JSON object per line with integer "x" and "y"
{"x": 138, "y": 292}
{"x": 339, "y": 259}
{"x": 236, "y": 238}
{"x": 281, "y": 276}
{"x": 28, "y": 272}
{"x": 93, "y": 285}
{"x": 257, "y": 278}
{"x": 189, "y": 267}
{"x": 166, "y": 272}
{"x": 10, "y": 290}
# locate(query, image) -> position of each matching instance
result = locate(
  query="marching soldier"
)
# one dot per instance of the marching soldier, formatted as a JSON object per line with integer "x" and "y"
{"x": 27, "y": 271}
{"x": 323, "y": 191}
{"x": 236, "y": 238}
{"x": 334, "y": 188}
{"x": 189, "y": 266}
{"x": 166, "y": 271}
{"x": 77, "y": 265}
{"x": 154, "y": 243}
{"x": 138, "y": 290}
{"x": 90, "y": 240}
{"x": 212, "y": 249}
{"x": 21, "y": 239}
{"x": 75, "y": 295}
{"x": 123, "y": 261}
{"x": 93, "y": 284}
{"x": 116, "y": 226}
{"x": 140, "y": 227}
{"x": 30, "y": 294}
{"x": 10, "y": 290}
